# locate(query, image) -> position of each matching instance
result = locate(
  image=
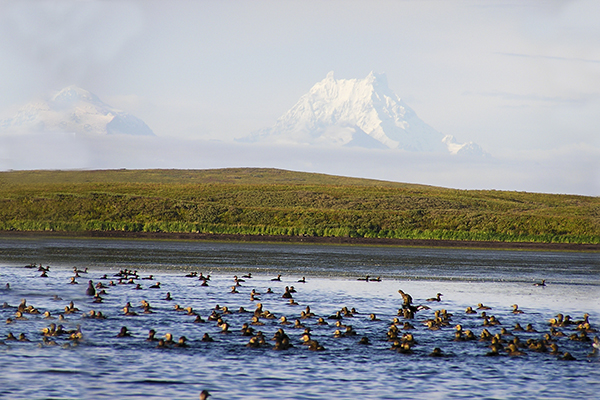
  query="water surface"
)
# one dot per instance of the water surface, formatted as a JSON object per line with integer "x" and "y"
{"x": 104, "y": 366}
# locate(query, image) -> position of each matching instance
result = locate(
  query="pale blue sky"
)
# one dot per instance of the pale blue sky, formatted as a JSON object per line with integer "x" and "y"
{"x": 520, "y": 78}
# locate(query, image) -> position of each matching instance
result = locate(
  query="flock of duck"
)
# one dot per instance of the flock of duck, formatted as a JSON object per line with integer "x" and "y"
{"x": 413, "y": 324}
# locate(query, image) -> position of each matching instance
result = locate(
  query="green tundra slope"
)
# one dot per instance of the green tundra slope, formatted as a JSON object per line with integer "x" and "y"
{"x": 277, "y": 202}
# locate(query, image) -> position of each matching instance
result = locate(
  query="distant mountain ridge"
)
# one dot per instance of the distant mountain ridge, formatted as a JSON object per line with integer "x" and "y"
{"x": 75, "y": 110}
{"x": 358, "y": 113}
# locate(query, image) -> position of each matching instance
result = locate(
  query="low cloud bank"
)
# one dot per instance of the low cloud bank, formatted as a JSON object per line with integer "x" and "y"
{"x": 572, "y": 170}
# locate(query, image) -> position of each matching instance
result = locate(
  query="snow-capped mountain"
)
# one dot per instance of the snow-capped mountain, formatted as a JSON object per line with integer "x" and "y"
{"x": 358, "y": 112}
{"x": 74, "y": 110}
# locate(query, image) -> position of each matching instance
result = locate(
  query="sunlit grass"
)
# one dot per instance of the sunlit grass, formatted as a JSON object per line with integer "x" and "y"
{"x": 276, "y": 202}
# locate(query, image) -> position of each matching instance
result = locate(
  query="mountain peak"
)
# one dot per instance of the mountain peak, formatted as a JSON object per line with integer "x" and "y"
{"x": 72, "y": 95}
{"x": 76, "y": 110}
{"x": 354, "y": 112}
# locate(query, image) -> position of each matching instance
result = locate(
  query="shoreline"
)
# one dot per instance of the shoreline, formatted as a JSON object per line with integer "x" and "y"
{"x": 306, "y": 240}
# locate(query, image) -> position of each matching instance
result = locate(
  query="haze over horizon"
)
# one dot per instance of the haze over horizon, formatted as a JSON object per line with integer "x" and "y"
{"x": 520, "y": 79}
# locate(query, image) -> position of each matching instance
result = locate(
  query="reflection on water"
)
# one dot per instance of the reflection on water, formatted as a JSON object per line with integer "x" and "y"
{"x": 104, "y": 366}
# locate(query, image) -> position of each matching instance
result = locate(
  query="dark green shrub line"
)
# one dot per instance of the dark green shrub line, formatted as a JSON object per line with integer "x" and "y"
{"x": 181, "y": 227}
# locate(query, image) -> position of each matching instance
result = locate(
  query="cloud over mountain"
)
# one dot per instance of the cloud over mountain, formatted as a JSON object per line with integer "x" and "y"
{"x": 358, "y": 113}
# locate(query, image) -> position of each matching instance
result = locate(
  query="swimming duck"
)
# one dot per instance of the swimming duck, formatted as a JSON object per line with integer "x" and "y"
{"x": 207, "y": 338}
{"x": 308, "y": 313}
{"x": 287, "y": 294}
{"x": 151, "y": 334}
{"x": 190, "y": 311}
{"x": 407, "y": 326}
{"x": 315, "y": 346}
{"x": 504, "y": 332}
{"x": 19, "y": 316}
{"x": 303, "y": 280}
{"x": 595, "y": 347}
{"x": 437, "y": 298}
{"x": 406, "y": 298}
{"x": 127, "y": 311}
{"x": 349, "y": 331}
{"x": 485, "y": 335}
{"x": 364, "y": 340}
{"x": 234, "y": 289}
{"x": 516, "y": 309}
{"x": 253, "y": 343}
{"x": 518, "y": 328}
{"x": 337, "y": 315}
{"x": 282, "y": 344}
{"x": 567, "y": 357}
{"x": 169, "y": 339}
{"x": 248, "y": 275}
{"x": 513, "y": 351}
{"x": 277, "y": 279}
{"x": 494, "y": 352}
{"x": 373, "y": 317}
{"x": 530, "y": 328}
{"x": 247, "y": 330}
{"x": 280, "y": 334}
{"x": 168, "y": 297}
{"x": 298, "y": 324}
{"x": 181, "y": 343}
{"x": 437, "y": 352}
{"x": 123, "y": 332}
{"x": 155, "y": 286}
{"x": 542, "y": 283}
{"x": 46, "y": 341}
{"x": 347, "y": 312}
{"x": 90, "y": 291}
{"x": 405, "y": 348}
{"x": 338, "y": 324}
{"x": 480, "y": 306}
{"x": 321, "y": 321}
{"x": 470, "y": 310}
{"x": 556, "y": 332}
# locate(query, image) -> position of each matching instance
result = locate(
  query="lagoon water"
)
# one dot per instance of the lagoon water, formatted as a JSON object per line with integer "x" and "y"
{"x": 103, "y": 366}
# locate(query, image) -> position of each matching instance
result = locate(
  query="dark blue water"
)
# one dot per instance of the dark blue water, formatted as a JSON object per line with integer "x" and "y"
{"x": 104, "y": 366}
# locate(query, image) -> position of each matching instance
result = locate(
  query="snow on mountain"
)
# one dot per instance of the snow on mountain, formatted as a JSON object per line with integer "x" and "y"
{"x": 357, "y": 112}
{"x": 74, "y": 110}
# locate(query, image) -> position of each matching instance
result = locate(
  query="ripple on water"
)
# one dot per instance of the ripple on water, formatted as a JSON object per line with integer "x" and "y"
{"x": 104, "y": 366}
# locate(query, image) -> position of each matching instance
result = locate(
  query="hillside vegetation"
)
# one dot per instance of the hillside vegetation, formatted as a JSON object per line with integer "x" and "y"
{"x": 277, "y": 202}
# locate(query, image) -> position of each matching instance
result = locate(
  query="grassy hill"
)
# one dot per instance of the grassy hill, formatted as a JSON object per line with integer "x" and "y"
{"x": 277, "y": 202}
